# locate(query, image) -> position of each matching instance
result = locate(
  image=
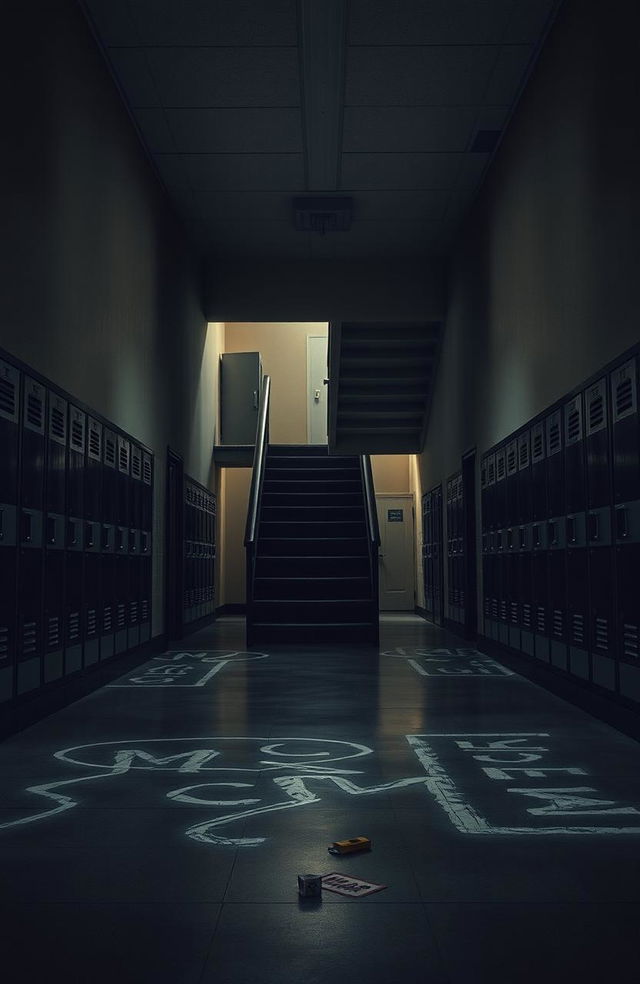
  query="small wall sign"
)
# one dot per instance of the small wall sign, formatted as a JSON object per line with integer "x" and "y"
{"x": 395, "y": 515}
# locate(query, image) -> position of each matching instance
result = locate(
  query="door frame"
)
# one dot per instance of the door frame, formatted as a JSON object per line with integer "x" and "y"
{"x": 174, "y": 547}
{"x": 411, "y": 496}
{"x": 308, "y": 386}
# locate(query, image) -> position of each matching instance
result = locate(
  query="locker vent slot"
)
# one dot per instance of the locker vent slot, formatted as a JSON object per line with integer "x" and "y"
{"x": 624, "y": 397}
{"x": 491, "y": 471}
{"x": 596, "y": 413}
{"x": 109, "y": 450}
{"x": 526, "y": 616}
{"x": 77, "y": 434}
{"x": 538, "y": 446}
{"x": 500, "y": 467}
{"x": 29, "y": 637}
{"x": 554, "y": 435}
{"x": 136, "y": 466}
{"x": 524, "y": 454}
{"x": 92, "y": 622}
{"x": 123, "y": 456}
{"x": 133, "y": 613}
{"x": 574, "y": 429}
{"x": 494, "y": 607}
{"x": 57, "y": 423}
{"x": 53, "y": 632}
{"x": 107, "y": 620}
{"x": 95, "y": 448}
{"x": 558, "y": 623}
{"x": 514, "y": 612}
{"x": 541, "y": 622}
{"x": 146, "y": 469}
{"x": 503, "y": 610}
{"x": 512, "y": 459}
{"x": 602, "y": 634}
{"x": 4, "y": 641}
{"x": 121, "y": 617}
{"x": 35, "y": 411}
{"x": 8, "y": 397}
{"x": 487, "y": 606}
{"x": 631, "y": 644}
{"x": 577, "y": 628}
{"x": 74, "y": 626}
{"x": 144, "y": 610}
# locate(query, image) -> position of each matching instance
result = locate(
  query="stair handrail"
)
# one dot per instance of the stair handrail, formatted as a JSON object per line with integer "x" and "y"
{"x": 259, "y": 455}
{"x": 370, "y": 500}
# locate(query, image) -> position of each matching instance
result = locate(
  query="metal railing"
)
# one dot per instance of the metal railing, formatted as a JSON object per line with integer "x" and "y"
{"x": 255, "y": 497}
{"x": 373, "y": 538}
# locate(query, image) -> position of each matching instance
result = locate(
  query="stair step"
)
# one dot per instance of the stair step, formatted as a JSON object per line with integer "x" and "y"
{"x": 365, "y": 633}
{"x": 312, "y": 513}
{"x": 311, "y": 588}
{"x": 298, "y": 450}
{"x": 303, "y": 610}
{"x": 285, "y": 468}
{"x": 318, "y": 487}
{"x": 311, "y": 546}
{"x": 308, "y": 499}
{"x": 329, "y": 529}
{"x": 313, "y": 566}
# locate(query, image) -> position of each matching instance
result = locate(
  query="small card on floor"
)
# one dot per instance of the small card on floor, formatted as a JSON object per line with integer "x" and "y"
{"x": 355, "y": 888}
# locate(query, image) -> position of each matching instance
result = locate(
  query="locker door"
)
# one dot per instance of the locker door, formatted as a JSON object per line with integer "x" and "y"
{"x": 511, "y": 545}
{"x": 601, "y": 554}
{"x": 122, "y": 544}
{"x": 212, "y": 540}
{"x": 108, "y": 544}
{"x": 426, "y": 519}
{"x": 501, "y": 541}
{"x": 524, "y": 567}
{"x": 135, "y": 577}
{"x": 146, "y": 547}
{"x": 541, "y": 647}
{"x": 9, "y": 443}
{"x": 576, "y": 530}
{"x": 55, "y": 533}
{"x": 92, "y": 542}
{"x": 75, "y": 600}
{"x": 492, "y": 625}
{"x": 486, "y": 601}
{"x": 450, "y": 576}
{"x": 31, "y": 556}
{"x": 626, "y": 489}
{"x": 438, "y": 593}
{"x": 557, "y": 542}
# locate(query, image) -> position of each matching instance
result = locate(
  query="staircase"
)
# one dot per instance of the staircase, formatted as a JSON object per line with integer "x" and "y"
{"x": 313, "y": 573}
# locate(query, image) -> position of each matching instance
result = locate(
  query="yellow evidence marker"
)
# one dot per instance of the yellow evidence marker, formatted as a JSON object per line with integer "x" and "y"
{"x": 350, "y": 846}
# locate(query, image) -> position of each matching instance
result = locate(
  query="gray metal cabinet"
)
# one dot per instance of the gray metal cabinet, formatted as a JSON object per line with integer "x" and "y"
{"x": 240, "y": 381}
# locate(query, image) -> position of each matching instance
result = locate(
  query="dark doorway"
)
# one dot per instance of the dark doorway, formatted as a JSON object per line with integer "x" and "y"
{"x": 174, "y": 547}
{"x": 469, "y": 533}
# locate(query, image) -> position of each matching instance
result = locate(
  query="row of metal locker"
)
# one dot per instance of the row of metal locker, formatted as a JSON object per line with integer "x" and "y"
{"x": 76, "y": 506}
{"x": 199, "y": 550}
{"x": 432, "y": 553}
{"x": 455, "y": 608}
{"x": 561, "y": 534}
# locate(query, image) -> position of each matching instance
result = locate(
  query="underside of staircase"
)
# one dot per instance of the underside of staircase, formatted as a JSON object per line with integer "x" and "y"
{"x": 313, "y": 577}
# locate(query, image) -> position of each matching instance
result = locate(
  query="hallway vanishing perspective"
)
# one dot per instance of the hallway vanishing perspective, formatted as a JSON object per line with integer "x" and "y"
{"x": 154, "y": 831}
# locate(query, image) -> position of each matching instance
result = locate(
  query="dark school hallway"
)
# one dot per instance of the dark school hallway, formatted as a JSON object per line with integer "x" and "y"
{"x": 153, "y": 831}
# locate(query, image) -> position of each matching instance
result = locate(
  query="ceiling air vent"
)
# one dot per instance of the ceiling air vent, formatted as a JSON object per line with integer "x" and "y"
{"x": 318, "y": 214}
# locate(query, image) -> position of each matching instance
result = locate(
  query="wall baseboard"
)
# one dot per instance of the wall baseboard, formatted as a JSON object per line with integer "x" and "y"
{"x": 422, "y": 612}
{"x": 231, "y": 609}
{"x": 64, "y": 692}
{"x": 200, "y": 623}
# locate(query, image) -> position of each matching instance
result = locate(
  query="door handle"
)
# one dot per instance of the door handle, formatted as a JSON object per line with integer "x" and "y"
{"x": 255, "y": 399}
{"x": 317, "y": 396}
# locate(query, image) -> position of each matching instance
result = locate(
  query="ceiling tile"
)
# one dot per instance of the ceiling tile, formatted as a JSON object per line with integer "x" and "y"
{"x": 155, "y": 129}
{"x": 132, "y": 71}
{"x": 262, "y": 238}
{"x": 492, "y": 118}
{"x": 528, "y": 20}
{"x": 413, "y": 76}
{"x": 436, "y": 22}
{"x": 113, "y": 21}
{"x": 471, "y": 170}
{"x": 509, "y": 73}
{"x": 389, "y": 171}
{"x": 219, "y": 22}
{"x": 236, "y": 130}
{"x": 173, "y": 171}
{"x": 407, "y": 128}
{"x": 405, "y": 206}
{"x": 244, "y": 172}
{"x": 241, "y": 206}
{"x": 220, "y": 77}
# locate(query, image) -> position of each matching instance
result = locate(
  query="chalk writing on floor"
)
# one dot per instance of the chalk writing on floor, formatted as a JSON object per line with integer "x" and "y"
{"x": 445, "y": 662}
{"x": 174, "y": 670}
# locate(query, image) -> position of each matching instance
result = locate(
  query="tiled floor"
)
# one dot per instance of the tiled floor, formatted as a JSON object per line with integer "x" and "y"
{"x": 153, "y": 831}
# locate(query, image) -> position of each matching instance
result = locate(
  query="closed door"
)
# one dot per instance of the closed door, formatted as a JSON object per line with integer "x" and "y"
{"x": 316, "y": 389}
{"x": 396, "y": 560}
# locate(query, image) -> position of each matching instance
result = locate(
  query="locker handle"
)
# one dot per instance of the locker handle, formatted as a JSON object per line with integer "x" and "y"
{"x": 523, "y": 538}
{"x": 120, "y": 540}
{"x": 594, "y": 527}
{"x": 1, "y": 524}
{"x": 88, "y": 529}
{"x": 71, "y": 533}
{"x": 26, "y": 527}
{"x": 536, "y": 536}
{"x": 622, "y": 525}
{"x": 51, "y": 530}
{"x": 553, "y": 533}
{"x": 571, "y": 529}
{"x": 105, "y": 537}
{"x": 144, "y": 542}
{"x": 132, "y": 541}
{"x": 510, "y": 539}
{"x": 255, "y": 399}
